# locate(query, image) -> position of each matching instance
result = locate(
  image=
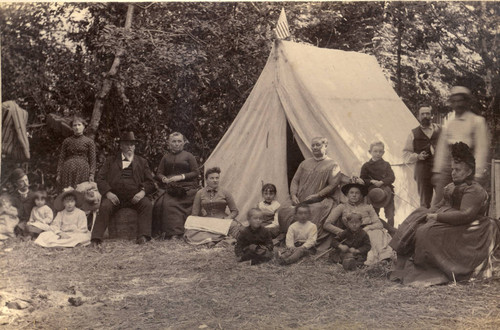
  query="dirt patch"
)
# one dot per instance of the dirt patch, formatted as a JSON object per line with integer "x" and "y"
{"x": 173, "y": 285}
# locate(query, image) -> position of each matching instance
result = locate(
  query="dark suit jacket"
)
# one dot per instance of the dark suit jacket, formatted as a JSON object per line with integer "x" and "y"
{"x": 110, "y": 173}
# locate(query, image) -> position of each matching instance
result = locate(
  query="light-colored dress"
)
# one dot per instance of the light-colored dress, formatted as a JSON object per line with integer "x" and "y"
{"x": 319, "y": 177}
{"x": 41, "y": 217}
{"x": 72, "y": 224}
{"x": 379, "y": 237}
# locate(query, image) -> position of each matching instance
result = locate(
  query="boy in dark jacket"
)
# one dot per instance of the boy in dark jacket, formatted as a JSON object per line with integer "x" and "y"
{"x": 351, "y": 246}
{"x": 254, "y": 242}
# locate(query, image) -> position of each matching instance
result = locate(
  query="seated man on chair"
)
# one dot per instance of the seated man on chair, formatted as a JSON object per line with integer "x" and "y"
{"x": 124, "y": 181}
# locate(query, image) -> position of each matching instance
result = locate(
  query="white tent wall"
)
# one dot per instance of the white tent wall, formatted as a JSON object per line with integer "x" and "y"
{"x": 343, "y": 96}
{"x": 253, "y": 150}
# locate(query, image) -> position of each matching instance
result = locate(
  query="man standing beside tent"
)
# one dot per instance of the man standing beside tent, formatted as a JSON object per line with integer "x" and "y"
{"x": 419, "y": 149}
{"x": 466, "y": 127}
{"x": 314, "y": 183}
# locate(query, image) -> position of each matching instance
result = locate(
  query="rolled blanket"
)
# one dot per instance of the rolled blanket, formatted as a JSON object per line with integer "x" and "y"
{"x": 207, "y": 224}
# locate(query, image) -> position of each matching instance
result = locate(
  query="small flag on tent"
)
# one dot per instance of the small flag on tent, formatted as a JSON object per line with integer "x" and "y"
{"x": 282, "y": 31}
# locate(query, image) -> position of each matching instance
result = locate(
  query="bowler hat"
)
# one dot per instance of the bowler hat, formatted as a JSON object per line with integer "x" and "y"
{"x": 128, "y": 136}
{"x": 345, "y": 188}
{"x": 17, "y": 174}
{"x": 379, "y": 197}
{"x": 59, "y": 202}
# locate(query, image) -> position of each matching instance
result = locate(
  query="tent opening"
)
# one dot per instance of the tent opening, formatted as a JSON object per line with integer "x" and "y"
{"x": 293, "y": 154}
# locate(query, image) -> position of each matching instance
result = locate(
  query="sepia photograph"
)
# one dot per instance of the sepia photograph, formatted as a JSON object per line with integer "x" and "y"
{"x": 250, "y": 165}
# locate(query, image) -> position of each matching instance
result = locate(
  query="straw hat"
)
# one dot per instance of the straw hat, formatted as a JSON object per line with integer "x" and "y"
{"x": 59, "y": 202}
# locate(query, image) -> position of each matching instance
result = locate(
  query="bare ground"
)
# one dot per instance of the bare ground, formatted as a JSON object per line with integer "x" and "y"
{"x": 170, "y": 284}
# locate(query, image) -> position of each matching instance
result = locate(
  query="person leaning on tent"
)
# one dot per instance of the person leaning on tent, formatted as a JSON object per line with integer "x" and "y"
{"x": 124, "y": 181}
{"x": 452, "y": 240}
{"x": 466, "y": 127}
{"x": 315, "y": 183}
{"x": 419, "y": 149}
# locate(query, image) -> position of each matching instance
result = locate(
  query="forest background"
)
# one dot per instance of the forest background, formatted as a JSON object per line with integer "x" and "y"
{"x": 161, "y": 67}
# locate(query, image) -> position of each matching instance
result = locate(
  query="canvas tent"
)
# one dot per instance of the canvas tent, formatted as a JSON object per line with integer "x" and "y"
{"x": 341, "y": 95}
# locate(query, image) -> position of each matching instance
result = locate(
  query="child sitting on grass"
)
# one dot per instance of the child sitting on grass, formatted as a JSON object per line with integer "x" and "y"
{"x": 301, "y": 236}
{"x": 269, "y": 207}
{"x": 254, "y": 242}
{"x": 377, "y": 173}
{"x": 351, "y": 246}
{"x": 69, "y": 227}
{"x": 41, "y": 215}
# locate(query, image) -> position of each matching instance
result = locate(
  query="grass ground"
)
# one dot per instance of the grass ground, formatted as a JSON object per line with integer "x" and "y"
{"x": 170, "y": 284}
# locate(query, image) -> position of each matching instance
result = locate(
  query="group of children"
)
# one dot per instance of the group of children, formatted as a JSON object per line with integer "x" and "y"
{"x": 68, "y": 229}
{"x": 350, "y": 244}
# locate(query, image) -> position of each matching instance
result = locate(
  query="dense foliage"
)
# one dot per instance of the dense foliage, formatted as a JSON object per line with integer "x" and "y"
{"x": 190, "y": 66}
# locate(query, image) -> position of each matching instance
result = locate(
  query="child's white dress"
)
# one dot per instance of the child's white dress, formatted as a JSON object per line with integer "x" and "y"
{"x": 41, "y": 217}
{"x": 73, "y": 224}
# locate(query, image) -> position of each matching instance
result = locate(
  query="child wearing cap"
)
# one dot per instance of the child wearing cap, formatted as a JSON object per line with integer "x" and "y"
{"x": 69, "y": 227}
{"x": 352, "y": 245}
{"x": 377, "y": 173}
{"x": 269, "y": 207}
{"x": 41, "y": 215}
{"x": 254, "y": 242}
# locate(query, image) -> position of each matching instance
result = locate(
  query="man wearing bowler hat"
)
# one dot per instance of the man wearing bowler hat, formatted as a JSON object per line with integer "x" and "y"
{"x": 466, "y": 127}
{"x": 124, "y": 181}
{"x": 419, "y": 150}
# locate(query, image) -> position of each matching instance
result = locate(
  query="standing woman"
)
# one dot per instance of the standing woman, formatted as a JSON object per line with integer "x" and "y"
{"x": 178, "y": 173}
{"x": 77, "y": 158}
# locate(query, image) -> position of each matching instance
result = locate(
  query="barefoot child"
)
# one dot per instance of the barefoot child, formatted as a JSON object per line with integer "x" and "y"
{"x": 269, "y": 207}
{"x": 41, "y": 215}
{"x": 69, "y": 227}
{"x": 352, "y": 245}
{"x": 254, "y": 242}
{"x": 301, "y": 236}
{"x": 377, "y": 173}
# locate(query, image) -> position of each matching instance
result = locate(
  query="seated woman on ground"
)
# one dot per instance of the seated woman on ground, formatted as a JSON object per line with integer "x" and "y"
{"x": 211, "y": 202}
{"x": 452, "y": 241}
{"x": 69, "y": 227}
{"x": 336, "y": 222}
{"x": 316, "y": 183}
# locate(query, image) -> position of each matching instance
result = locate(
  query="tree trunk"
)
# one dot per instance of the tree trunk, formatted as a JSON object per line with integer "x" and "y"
{"x": 108, "y": 81}
{"x": 398, "y": 65}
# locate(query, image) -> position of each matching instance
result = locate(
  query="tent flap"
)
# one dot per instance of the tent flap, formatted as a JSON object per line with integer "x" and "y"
{"x": 343, "y": 96}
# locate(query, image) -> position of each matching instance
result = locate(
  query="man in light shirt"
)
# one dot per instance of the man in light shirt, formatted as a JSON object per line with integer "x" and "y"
{"x": 466, "y": 127}
{"x": 419, "y": 150}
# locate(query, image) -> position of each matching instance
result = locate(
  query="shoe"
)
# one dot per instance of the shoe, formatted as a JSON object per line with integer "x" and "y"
{"x": 95, "y": 242}
{"x": 142, "y": 240}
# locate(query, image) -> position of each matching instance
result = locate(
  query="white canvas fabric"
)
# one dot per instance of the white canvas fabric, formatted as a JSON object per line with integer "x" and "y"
{"x": 343, "y": 96}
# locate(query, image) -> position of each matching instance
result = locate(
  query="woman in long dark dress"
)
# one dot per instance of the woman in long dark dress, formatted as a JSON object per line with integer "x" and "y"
{"x": 452, "y": 240}
{"x": 178, "y": 173}
{"x": 77, "y": 160}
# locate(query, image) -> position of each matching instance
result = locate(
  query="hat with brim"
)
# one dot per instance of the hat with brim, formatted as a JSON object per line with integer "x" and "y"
{"x": 17, "y": 174}
{"x": 59, "y": 202}
{"x": 128, "y": 137}
{"x": 379, "y": 197}
{"x": 460, "y": 90}
{"x": 345, "y": 188}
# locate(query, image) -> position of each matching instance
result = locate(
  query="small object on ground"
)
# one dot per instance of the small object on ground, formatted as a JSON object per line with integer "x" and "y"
{"x": 322, "y": 254}
{"x": 17, "y": 304}
{"x": 203, "y": 326}
{"x": 142, "y": 240}
{"x": 75, "y": 301}
{"x": 8, "y": 249}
